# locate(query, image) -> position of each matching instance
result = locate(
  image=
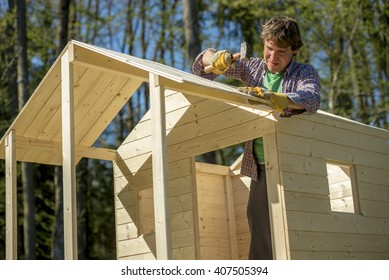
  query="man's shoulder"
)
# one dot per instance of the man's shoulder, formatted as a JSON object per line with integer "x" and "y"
{"x": 296, "y": 65}
{"x": 256, "y": 61}
{"x": 301, "y": 68}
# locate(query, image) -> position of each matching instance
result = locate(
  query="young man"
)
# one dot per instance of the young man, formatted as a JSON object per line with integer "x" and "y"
{"x": 291, "y": 87}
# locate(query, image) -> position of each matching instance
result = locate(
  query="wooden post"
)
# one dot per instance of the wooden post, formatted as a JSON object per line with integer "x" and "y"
{"x": 68, "y": 159}
{"x": 275, "y": 198}
{"x": 160, "y": 178}
{"x": 231, "y": 217}
{"x": 10, "y": 194}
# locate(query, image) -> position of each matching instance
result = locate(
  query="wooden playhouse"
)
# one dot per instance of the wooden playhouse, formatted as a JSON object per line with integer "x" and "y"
{"x": 328, "y": 177}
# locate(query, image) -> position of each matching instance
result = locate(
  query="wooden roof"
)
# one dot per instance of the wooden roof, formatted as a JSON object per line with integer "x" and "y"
{"x": 103, "y": 82}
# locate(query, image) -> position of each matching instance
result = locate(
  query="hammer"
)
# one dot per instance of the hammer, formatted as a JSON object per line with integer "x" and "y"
{"x": 244, "y": 55}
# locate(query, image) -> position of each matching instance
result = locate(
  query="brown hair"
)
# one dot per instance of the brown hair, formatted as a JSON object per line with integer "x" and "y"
{"x": 284, "y": 31}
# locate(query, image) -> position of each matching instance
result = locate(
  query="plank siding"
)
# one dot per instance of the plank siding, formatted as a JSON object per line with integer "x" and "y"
{"x": 339, "y": 242}
{"x": 213, "y": 218}
{"x": 314, "y": 231}
{"x": 188, "y": 120}
{"x": 330, "y": 255}
{"x": 135, "y": 219}
{"x": 241, "y": 195}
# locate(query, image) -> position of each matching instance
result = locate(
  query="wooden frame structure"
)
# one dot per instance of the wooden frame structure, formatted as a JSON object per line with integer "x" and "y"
{"x": 86, "y": 88}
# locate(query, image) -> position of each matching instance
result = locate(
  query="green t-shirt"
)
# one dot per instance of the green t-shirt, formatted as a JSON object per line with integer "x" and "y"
{"x": 272, "y": 82}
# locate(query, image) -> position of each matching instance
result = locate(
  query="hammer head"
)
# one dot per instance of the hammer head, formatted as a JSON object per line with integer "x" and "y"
{"x": 244, "y": 54}
{"x": 245, "y": 51}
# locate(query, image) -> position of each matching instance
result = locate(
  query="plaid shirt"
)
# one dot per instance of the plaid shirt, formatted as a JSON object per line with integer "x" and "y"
{"x": 300, "y": 83}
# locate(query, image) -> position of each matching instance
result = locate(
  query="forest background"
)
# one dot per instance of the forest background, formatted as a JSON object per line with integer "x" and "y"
{"x": 346, "y": 41}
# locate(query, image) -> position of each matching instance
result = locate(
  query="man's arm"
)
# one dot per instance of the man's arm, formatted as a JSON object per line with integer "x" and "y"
{"x": 295, "y": 106}
{"x": 207, "y": 57}
{"x": 198, "y": 64}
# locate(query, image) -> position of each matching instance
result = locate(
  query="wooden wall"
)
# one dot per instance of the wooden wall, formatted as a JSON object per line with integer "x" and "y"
{"x": 213, "y": 218}
{"x": 222, "y": 221}
{"x": 222, "y": 201}
{"x": 241, "y": 190}
{"x": 133, "y": 193}
{"x": 194, "y": 126}
{"x": 310, "y": 211}
{"x": 315, "y": 230}
{"x": 135, "y": 217}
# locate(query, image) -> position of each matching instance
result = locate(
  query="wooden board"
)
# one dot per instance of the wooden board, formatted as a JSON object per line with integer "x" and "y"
{"x": 315, "y": 255}
{"x": 299, "y": 144}
{"x": 337, "y": 242}
{"x": 343, "y": 133}
{"x": 240, "y": 197}
{"x": 136, "y": 219}
{"x": 337, "y": 223}
{"x": 213, "y": 220}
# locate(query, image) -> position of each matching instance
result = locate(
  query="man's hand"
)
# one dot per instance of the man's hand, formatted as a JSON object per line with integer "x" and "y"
{"x": 221, "y": 61}
{"x": 279, "y": 100}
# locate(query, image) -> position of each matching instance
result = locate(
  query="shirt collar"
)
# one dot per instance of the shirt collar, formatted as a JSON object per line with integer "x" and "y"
{"x": 290, "y": 67}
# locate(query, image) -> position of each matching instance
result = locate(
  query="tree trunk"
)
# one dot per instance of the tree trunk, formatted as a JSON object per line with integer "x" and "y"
{"x": 12, "y": 105}
{"x": 82, "y": 186}
{"x": 193, "y": 48}
{"x": 58, "y": 240}
{"x": 63, "y": 30}
{"x": 191, "y": 29}
{"x": 27, "y": 178}
{"x": 28, "y": 211}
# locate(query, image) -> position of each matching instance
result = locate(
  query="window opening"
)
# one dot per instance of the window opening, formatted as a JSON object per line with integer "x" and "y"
{"x": 343, "y": 194}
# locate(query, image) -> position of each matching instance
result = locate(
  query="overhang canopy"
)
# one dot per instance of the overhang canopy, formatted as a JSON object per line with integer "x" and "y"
{"x": 103, "y": 81}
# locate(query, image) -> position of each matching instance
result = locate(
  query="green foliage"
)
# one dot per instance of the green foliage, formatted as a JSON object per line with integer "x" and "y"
{"x": 99, "y": 211}
{"x": 45, "y": 205}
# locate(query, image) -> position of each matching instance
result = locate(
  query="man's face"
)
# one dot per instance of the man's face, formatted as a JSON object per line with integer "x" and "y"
{"x": 277, "y": 59}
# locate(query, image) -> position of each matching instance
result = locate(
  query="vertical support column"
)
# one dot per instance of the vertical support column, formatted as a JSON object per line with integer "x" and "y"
{"x": 231, "y": 217}
{"x": 160, "y": 177}
{"x": 276, "y": 199}
{"x": 11, "y": 195}
{"x": 68, "y": 159}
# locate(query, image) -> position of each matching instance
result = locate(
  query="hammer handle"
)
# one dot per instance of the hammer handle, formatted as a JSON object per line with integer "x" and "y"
{"x": 209, "y": 68}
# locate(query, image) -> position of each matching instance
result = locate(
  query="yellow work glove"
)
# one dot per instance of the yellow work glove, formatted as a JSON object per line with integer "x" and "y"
{"x": 279, "y": 101}
{"x": 221, "y": 61}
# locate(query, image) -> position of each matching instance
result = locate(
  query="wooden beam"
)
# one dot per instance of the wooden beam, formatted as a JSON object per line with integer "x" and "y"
{"x": 195, "y": 208}
{"x": 91, "y": 58}
{"x": 68, "y": 158}
{"x": 276, "y": 199}
{"x": 217, "y": 91}
{"x": 10, "y": 194}
{"x": 96, "y": 153}
{"x": 136, "y": 68}
{"x": 235, "y": 166}
{"x": 160, "y": 176}
{"x": 231, "y": 217}
{"x": 56, "y": 147}
{"x": 213, "y": 169}
{"x": 120, "y": 63}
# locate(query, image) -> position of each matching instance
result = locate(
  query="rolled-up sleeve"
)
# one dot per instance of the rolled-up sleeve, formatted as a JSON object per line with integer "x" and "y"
{"x": 307, "y": 88}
